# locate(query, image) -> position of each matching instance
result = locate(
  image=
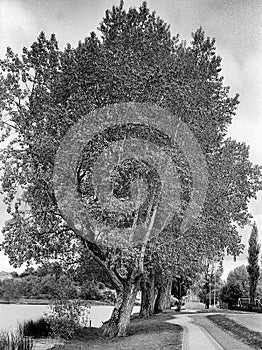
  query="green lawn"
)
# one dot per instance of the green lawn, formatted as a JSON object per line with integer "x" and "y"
{"x": 242, "y": 333}
{"x": 147, "y": 334}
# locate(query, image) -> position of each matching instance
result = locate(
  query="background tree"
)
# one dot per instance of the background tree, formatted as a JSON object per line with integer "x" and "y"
{"x": 209, "y": 281}
{"x": 237, "y": 286}
{"x": 56, "y": 281}
{"x": 253, "y": 266}
{"x": 240, "y": 276}
{"x": 230, "y": 293}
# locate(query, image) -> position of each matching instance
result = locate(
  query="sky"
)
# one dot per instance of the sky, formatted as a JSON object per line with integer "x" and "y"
{"x": 235, "y": 24}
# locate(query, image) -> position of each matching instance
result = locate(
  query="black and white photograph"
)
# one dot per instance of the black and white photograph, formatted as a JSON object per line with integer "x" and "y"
{"x": 130, "y": 175}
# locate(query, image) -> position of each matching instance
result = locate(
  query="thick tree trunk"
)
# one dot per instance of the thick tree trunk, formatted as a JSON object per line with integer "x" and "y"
{"x": 148, "y": 295}
{"x": 120, "y": 318}
{"x": 163, "y": 299}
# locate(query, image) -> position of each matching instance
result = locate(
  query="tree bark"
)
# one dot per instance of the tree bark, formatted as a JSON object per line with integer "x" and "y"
{"x": 148, "y": 295}
{"x": 168, "y": 294}
{"x": 163, "y": 299}
{"x": 120, "y": 318}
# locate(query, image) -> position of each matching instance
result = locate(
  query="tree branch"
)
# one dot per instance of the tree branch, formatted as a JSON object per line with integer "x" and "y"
{"x": 98, "y": 255}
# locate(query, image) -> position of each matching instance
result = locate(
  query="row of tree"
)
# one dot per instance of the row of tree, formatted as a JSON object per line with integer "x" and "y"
{"x": 136, "y": 60}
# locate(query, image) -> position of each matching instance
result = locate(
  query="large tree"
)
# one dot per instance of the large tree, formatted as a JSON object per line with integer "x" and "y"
{"x": 253, "y": 265}
{"x": 48, "y": 90}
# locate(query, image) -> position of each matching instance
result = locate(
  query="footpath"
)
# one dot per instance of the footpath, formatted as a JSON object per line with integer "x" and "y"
{"x": 202, "y": 334}
{"x": 195, "y": 337}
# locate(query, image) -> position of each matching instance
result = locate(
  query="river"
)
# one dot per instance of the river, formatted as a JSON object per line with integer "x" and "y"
{"x": 12, "y": 314}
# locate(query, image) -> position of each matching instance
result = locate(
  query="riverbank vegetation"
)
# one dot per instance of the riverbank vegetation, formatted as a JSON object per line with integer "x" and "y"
{"x": 51, "y": 281}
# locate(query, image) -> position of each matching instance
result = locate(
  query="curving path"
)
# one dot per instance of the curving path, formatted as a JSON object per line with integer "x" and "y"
{"x": 195, "y": 337}
{"x": 201, "y": 334}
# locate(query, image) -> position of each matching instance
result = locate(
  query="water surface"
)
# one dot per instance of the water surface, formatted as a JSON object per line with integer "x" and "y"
{"x": 12, "y": 314}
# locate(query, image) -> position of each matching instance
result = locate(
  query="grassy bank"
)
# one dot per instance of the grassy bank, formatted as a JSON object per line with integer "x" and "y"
{"x": 147, "y": 334}
{"x": 242, "y": 333}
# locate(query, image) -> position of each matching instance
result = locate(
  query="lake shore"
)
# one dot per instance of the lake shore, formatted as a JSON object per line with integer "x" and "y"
{"x": 47, "y": 302}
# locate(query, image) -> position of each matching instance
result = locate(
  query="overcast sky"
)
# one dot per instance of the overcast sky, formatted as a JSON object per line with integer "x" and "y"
{"x": 235, "y": 24}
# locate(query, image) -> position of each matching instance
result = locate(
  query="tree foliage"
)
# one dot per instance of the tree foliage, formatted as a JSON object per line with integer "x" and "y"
{"x": 253, "y": 265}
{"x": 240, "y": 276}
{"x": 54, "y": 281}
{"x": 230, "y": 293}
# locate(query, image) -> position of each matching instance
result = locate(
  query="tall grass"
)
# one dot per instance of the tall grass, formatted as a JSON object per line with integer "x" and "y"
{"x": 22, "y": 338}
{"x": 15, "y": 341}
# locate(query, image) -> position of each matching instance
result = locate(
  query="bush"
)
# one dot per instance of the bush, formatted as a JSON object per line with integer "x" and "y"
{"x": 67, "y": 317}
{"x": 37, "y": 329}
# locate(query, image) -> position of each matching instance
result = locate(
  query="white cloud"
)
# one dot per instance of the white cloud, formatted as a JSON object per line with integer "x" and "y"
{"x": 17, "y": 26}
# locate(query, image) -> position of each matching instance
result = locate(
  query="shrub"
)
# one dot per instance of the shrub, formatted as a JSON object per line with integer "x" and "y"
{"x": 37, "y": 329}
{"x": 67, "y": 317}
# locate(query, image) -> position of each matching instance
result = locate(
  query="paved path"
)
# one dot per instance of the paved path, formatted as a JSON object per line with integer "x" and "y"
{"x": 202, "y": 334}
{"x": 227, "y": 341}
{"x": 195, "y": 337}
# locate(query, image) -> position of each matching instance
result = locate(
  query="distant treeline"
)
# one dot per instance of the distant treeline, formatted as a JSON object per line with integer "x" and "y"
{"x": 50, "y": 281}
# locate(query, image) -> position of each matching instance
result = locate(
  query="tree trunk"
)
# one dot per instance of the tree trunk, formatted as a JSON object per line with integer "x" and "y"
{"x": 252, "y": 292}
{"x": 168, "y": 294}
{"x": 163, "y": 299}
{"x": 148, "y": 295}
{"x": 120, "y": 318}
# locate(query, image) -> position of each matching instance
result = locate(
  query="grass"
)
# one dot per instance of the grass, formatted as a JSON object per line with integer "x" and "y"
{"x": 148, "y": 334}
{"x": 14, "y": 341}
{"x": 242, "y": 333}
